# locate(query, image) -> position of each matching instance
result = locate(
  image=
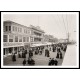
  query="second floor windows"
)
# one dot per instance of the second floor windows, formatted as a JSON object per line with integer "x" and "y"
{"x": 20, "y": 38}
{"x": 10, "y": 38}
{"x": 7, "y": 28}
{"x": 5, "y": 38}
{"x": 17, "y": 29}
{"x": 16, "y": 38}
{"x": 24, "y": 39}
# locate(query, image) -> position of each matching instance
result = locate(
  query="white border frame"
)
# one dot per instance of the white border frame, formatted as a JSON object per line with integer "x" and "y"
{"x": 77, "y": 19}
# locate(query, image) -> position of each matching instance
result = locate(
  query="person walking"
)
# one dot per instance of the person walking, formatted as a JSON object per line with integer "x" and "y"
{"x": 45, "y": 52}
{"x": 50, "y": 63}
{"x": 14, "y": 57}
{"x": 53, "y": 48}
{"x": 19, "y": 56}
{"x": 30, "y": 53}
{"x": 31, "y": 61}
{"x": 55, "y": 62}
{"x": 48, "y": 53}
{"x": 61, "y": 55}
{"x": 24, "y": 62}
{"x": 57, "y": 55}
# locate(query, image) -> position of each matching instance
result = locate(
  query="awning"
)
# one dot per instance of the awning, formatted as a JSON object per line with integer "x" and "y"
{"x": 42, "y": 44}
{"x": 7, "y": 45}
{"x": 38, "y": 44}
{"x": 50, "y": 43}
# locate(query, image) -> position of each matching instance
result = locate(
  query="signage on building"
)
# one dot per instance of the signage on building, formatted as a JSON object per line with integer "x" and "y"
{"x": 6, "y": 45}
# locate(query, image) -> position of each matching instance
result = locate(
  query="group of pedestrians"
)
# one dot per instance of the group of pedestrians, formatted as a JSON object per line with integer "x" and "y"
{"x": 30, "y": 61}
{"x": 40, "y": 50}
{"x": 53, "y": 62}
{"x": 60, "y": 48}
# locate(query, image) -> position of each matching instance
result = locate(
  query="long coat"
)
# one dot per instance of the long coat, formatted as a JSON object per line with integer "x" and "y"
{"x": 57, "y": 55}
{"x": 14, "y": 57}
{"x": 24, "y": 62}
{"x": 30, "y": 53}
{"x": 56, "y": 62}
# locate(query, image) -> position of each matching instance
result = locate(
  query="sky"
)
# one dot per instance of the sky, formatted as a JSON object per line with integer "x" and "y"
{"x": 57, "y": 25}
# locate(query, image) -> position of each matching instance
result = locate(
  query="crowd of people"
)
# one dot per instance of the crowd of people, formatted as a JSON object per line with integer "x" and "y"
{"x": 39, "y": 51}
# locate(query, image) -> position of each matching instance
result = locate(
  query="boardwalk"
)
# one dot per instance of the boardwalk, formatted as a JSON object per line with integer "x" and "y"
{"x": 40, "y": 60}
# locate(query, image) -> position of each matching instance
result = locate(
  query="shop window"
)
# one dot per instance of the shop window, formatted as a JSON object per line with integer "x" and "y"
{"x": 10, "y": 50}
{"x": 15, "y": 50}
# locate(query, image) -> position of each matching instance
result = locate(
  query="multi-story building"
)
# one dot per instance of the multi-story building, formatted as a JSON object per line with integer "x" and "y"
{"x": 37, "y": 35}
{"x": 63, "y": 40}
{"x": 15, "y": 37}
{"x": 48, "y": 38}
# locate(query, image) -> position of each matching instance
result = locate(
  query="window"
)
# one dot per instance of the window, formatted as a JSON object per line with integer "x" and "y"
{"x": 9, "y": 28}
{"x": 13, "y": 28}
{"x": 10, "y": 38}
{"x": 10, "y": 50}
{"x": 31, "y": 39}
{"x": 6, "y": 28}
{"x": 29, "y": 32}
{"x": 16, "y": 38}
{"x": 27, "y": 39}
{"x": 20, "y": 29}
{"x": 5, "y": 38}
{"x": 20, "y": 38}
{"x": 37, "y": 39}
{"x": 26, "y": 31}
{"x": 24, "y": 39}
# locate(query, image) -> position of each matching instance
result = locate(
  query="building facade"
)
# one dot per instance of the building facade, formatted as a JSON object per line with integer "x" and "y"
{"x": 48, "y": 38}
{"x": 37, "y": 34}
{"x": 15, "y": 37}
{"x": 63, "y": 40}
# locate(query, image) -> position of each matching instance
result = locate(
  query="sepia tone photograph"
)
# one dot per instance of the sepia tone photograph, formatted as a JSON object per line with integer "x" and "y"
{"x": 39, "y": 39}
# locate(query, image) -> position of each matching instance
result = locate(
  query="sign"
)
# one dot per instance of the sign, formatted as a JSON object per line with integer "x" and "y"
{"x": 6, "y": 45}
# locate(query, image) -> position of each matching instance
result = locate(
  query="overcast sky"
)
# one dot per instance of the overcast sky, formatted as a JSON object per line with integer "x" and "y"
{"x": 54, "y": 24}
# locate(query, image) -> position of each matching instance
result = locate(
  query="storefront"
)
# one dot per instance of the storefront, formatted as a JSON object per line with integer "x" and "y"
{"x": 10, "y": 48}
